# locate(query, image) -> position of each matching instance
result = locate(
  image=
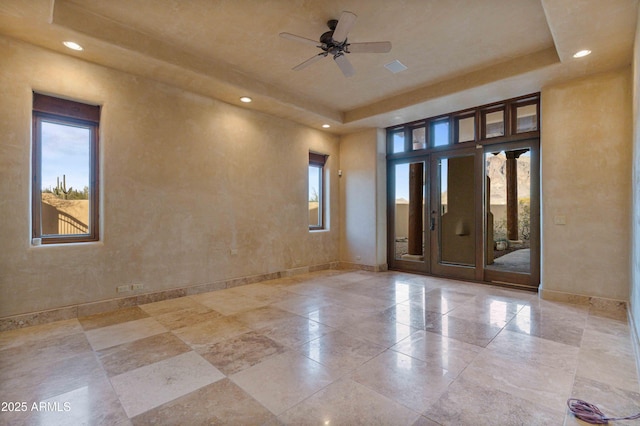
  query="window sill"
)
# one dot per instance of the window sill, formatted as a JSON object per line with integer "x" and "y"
{"x": 35, "y": 245}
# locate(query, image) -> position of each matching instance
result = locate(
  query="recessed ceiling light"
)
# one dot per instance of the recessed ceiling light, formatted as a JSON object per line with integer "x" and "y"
{"x": 581, "y": 53}
{"x": 325, "y": 126}
{"x": 72, "y": 45}
{"x": 245, "y": 99}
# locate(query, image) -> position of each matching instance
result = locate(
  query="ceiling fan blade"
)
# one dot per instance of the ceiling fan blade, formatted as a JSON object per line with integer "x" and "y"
{"x": 300, "y": 39}
{"x": 310, "y": 61}
{"x": 346, "y": 21}
{"x": 370, "y": 47}
{"x": 344, "y": 64}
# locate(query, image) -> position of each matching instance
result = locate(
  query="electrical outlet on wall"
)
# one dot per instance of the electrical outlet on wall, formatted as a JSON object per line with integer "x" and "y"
{"x": 135, "y": 287}
{"x": 123, "y": 288}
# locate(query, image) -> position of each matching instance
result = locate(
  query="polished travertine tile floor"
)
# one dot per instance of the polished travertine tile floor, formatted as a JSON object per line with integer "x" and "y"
{"x": 331, "y": 347}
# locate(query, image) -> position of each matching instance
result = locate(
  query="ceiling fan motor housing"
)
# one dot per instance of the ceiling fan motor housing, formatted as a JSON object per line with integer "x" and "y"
{"x": 327, "y": 38}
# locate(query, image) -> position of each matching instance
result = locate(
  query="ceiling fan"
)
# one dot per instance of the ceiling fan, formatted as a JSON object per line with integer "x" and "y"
{"x": 334, "y": 42}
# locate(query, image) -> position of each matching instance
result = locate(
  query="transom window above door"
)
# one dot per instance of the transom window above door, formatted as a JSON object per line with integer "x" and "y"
{"x": 513, "y": 119}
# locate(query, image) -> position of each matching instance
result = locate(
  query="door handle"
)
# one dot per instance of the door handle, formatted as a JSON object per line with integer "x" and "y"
{"x": 432, "y": 223}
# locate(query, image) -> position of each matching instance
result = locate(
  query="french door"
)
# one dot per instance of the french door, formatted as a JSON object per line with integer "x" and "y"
{"x": 453, "y": 214}
{"x": 470, "y": 213}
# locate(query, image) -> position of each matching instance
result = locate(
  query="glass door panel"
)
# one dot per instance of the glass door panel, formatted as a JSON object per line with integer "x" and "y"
{"x": 508, "y": 210}
{"x": 453, "y": 219}
{"x": 407, "y": 221}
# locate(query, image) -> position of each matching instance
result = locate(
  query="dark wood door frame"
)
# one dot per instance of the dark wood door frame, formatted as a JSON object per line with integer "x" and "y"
{"x": 478, "y": 273}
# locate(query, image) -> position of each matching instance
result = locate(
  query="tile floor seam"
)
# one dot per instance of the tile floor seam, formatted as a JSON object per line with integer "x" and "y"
{"x": 387, "y": 397}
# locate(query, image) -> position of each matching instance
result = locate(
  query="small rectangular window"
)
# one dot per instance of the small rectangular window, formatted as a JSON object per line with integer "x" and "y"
{"x": 465, "y": 128}
{"x": 493, "y": 123}
{"x": 316, "y": 191}
{"x": 526, "y": 117}
{"x": 440, "y": 132}
{"x": 65, "y": 170}
{"x": 419, "y": 138}
{"x": 398, "y": 142}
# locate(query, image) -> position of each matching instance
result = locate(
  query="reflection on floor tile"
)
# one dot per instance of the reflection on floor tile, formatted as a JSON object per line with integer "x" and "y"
{"x": 443, "y": 300}
{"x": 328, "y": 347}
{"x": 440, "y": 351}
{"x": 492, "y": 312}
{"x": 340, "y": 352}
{"x": 473, "y": 332}
{"x": 336, "y": 316}
{"x": 549, "y": 324}
{"x": 294, "y": 331}
{"x": 380, "y": 330}
{"x": 413, "y": 315}
{"x": 406, "y": 380}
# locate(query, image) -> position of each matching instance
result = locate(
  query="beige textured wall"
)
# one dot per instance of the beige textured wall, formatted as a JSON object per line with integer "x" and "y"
{"x": 635, "y": 188}
{"x": 185, "y": 179}
{"x": 586, "y": 169}
{"x": 362, "y": 160}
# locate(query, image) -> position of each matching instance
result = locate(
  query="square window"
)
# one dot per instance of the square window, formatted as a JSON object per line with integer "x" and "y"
{"x": 65, "y": 170}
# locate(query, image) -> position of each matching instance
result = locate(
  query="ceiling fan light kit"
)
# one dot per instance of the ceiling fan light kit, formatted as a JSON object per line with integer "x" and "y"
{"x": 334, "y": 42}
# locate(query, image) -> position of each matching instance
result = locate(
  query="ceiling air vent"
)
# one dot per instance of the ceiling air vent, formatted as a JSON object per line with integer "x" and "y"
{"x": 395, "y": 66}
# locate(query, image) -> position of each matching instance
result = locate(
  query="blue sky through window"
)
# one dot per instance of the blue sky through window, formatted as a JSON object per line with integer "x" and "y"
{"x": 65, "y": 151}
{"x": 314, "y": 182}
